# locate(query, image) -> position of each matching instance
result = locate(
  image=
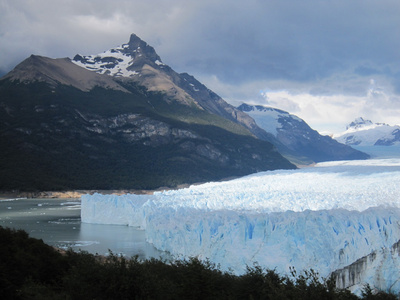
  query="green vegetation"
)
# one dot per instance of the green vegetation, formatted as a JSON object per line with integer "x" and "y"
{"x": 50, "y": 140}
{"x": 30, "y": 269}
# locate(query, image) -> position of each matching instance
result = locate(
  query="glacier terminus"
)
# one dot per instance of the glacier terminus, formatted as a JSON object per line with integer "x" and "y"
{"x": 338, "y": 218}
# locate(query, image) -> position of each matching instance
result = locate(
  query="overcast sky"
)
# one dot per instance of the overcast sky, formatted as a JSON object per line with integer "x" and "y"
{"x": 327, "y": 62}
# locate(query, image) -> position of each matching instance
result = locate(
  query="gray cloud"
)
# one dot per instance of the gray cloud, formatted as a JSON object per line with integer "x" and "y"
{"x": 237, "y": 47}
{"x": 296, "y": 40}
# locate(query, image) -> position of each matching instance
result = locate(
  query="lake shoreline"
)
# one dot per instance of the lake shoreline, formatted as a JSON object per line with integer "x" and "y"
{"x": 66, "y": 194}
{"x": 69, "y": 194}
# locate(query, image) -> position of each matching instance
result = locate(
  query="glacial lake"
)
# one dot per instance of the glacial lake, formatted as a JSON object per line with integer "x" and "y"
{"x": 57, "y": 222}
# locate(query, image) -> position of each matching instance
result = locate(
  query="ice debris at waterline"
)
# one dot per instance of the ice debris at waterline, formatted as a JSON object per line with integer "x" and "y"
{"x": 325, "y": 218}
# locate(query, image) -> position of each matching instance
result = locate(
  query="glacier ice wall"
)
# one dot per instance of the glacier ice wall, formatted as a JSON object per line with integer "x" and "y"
{"x": 380, "y": 267}
{"x": 326, "y": 217}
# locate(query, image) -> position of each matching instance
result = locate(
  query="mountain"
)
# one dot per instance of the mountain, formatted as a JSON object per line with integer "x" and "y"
{"x": 59, "y": 71}
{"x": 120, "y": 121}
{"x": 138, "y": 62}
{"x": 366, "y": 133}
{"x": 294, "y": 138}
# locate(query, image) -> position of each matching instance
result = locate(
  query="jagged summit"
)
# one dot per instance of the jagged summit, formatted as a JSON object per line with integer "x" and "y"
{"x": 138, "y": 62}
{"x": 362, "y": 132}
{"x": 358, "y": 123}
{"x": 126, "y": 60}
{"x": 140, "y": 47}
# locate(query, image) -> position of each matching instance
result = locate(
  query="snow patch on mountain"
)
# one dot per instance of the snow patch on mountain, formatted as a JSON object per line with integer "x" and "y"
{"x": 325, "y": 217}
{"x": 112, "y": 62}
{"x": 294, "y": 137}
{"x": 123, "y": 61}
{"x": 359, "y": 123}
{"x": 60, "y": 71}
{"x": 268, "y": 118}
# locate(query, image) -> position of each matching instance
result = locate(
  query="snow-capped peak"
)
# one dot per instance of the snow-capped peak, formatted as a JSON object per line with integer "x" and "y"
{"x": 359, "y": 123}
{"x": 125, "y": 60}
{"x": 362, "y": 132}
{"x": 297, "y": 137}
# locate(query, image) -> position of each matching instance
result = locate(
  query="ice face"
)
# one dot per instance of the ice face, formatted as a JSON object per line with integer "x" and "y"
{"x": 325, "y": 217}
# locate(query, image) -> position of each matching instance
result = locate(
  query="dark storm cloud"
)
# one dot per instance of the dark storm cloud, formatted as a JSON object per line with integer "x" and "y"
{"x": 295, "y": 40}
{"x": 314, "y": 47}
{"x": 240, "y": 40}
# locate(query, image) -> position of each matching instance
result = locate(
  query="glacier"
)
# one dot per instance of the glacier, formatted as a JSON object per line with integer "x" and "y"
{"x": 324, "y": 218}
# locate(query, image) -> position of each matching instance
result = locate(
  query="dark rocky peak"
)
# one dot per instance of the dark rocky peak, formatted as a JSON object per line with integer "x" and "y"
{"x": 245, "y": 107}
{"x": 359, "y": 122}
{"x": 136, "y": 47}
{"x": 126, "y": 60}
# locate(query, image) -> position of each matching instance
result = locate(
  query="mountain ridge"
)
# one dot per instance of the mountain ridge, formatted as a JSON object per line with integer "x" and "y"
{"x": 363, "y": 132}
{"x": 59, "y": 131}
{"x": 293, "y": 136}
{"x": 58, "y": 71}
{"x": 137, "y": 61}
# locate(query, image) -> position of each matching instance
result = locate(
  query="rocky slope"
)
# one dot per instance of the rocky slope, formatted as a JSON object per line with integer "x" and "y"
{"x": 59, "y": 71}
{"x": 66, "y": 127}
{"x": 137, "y": 61}
{"x": 294, "y": 138}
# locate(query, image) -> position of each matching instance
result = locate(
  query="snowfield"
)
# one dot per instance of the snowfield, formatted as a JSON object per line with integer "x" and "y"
{"x": 324, "y": 217}
{"x": 365, "y": 133}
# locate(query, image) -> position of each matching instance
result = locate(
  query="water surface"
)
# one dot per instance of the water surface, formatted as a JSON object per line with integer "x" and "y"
{"x": 57, "y": 222}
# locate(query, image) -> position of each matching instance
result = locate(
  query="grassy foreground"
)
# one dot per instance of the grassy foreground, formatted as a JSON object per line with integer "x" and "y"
{"x": 30, "y": 269}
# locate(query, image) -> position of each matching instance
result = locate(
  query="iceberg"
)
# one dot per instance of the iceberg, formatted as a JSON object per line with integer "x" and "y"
{"x": 324, "y": 218}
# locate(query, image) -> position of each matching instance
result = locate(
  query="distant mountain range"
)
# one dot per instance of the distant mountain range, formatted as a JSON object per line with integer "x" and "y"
{"x": 295, "y": 139}
{"x": 124, "y": 119}
{"x": 362, "y": 132}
